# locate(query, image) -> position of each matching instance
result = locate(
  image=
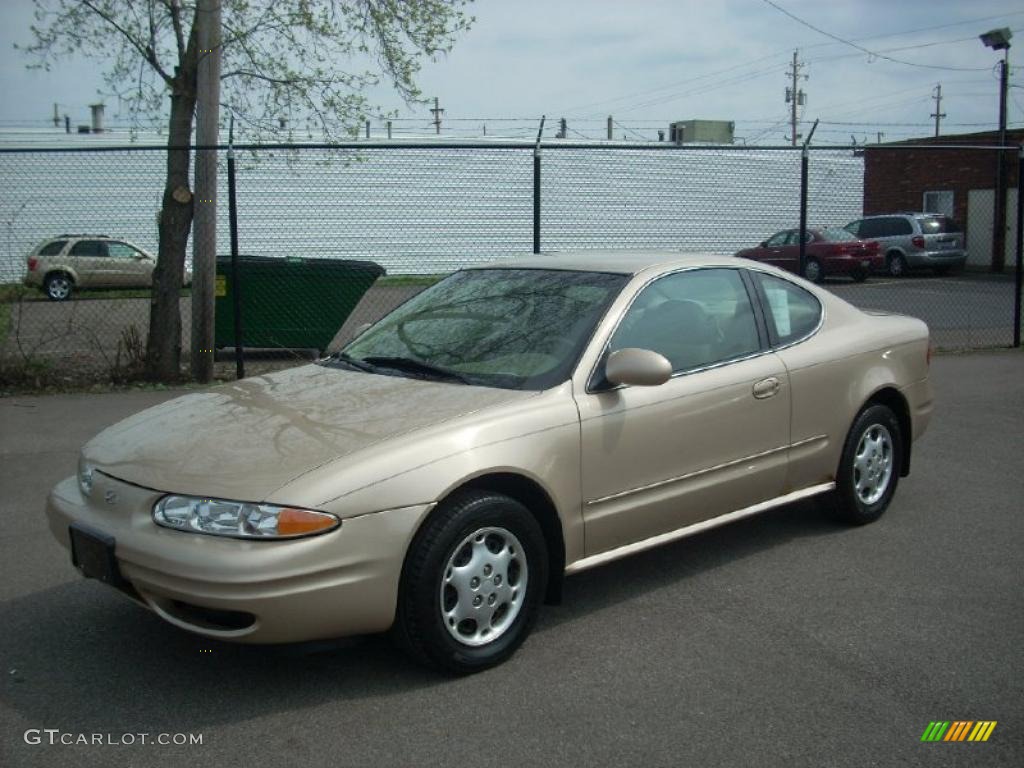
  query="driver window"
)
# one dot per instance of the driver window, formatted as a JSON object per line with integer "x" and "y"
{"x": 778, "y": 239}
{"x": 694, "y": 318}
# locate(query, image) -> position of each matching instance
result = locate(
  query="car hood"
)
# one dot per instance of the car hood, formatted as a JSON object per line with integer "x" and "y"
{"x": 246, "y": 439}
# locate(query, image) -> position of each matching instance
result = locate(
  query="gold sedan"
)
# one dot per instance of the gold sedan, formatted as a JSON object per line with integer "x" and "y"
{"x": 508, "y": 426}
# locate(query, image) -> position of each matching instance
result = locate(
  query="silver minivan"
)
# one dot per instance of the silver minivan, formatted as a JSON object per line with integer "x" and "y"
{"x": 914, "y": 241}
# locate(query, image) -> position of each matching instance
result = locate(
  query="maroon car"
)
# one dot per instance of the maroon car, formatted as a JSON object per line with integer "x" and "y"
{"x": 830, "y": 251}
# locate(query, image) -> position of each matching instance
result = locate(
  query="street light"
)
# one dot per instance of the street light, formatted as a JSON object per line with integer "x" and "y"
{"x": 999, "y": 40}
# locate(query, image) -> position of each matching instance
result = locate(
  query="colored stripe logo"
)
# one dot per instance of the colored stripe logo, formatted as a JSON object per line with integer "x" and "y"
{"x": 958, "y": 730}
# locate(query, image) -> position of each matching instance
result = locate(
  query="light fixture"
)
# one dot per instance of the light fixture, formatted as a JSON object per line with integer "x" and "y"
{"x": 997, "y": 39}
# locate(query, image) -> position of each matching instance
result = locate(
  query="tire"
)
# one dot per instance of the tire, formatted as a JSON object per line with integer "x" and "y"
{"x": 813, "y": 271}
{"x": 480, "y": 554}
{"x": 869, "y": 469}
{"x": 896, "y": 265}
{"x": 58, "y": 286}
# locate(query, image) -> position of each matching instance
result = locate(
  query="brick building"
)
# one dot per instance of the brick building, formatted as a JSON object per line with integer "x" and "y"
{"x": 946, "y": 175}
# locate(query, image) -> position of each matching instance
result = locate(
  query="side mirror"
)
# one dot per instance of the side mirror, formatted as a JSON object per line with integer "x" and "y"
{"x": 637, "y": 367}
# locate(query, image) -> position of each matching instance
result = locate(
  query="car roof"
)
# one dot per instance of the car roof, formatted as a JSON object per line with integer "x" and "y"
{"x": 625, "y": 261}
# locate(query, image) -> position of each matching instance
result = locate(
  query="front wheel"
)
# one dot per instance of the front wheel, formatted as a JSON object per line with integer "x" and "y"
{"x": 472, "y": 583}
{"x": 870, "y": 466}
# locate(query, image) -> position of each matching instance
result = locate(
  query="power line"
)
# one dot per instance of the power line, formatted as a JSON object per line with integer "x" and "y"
{"x": 861, "y": 48}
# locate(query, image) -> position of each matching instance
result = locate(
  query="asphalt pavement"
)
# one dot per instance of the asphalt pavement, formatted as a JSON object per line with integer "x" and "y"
{"x": 782, "y": 640}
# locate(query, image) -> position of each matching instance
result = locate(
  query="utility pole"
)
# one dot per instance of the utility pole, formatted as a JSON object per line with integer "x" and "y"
{"x": 938, "y": 114}
{"x": 204, "y": 222}
{"x": 56, "y": 115}
{"x": 437, "y": 116}
{"x": 795, "y": 97}
{"x": 563, "y": 129}
{"x": 610, "y": 125}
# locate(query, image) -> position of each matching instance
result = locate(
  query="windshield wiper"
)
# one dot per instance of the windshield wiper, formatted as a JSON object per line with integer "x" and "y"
{"x": 351, "y": 362}
{"x": 411, "y": 365}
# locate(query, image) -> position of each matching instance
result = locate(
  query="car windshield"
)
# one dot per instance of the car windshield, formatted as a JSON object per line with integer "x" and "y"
{"x": 836, "y": 235}
{"x": 935, "y": 225}
{"x": 508, "y": 328}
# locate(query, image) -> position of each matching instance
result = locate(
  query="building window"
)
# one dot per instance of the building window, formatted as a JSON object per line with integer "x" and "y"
{"x": 939, "y": 202}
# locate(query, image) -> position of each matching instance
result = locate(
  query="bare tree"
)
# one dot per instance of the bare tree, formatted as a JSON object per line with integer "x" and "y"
{"x": 310, "y": 61}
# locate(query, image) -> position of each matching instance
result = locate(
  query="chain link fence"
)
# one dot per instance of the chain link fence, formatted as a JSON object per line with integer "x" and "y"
{"x": 423, "y": 210}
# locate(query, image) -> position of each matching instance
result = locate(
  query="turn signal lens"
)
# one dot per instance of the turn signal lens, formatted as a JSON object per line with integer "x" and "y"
{"x": 240, "y": 519}
{"x": 299, "y": 522}
{"x": 84, "y": 477}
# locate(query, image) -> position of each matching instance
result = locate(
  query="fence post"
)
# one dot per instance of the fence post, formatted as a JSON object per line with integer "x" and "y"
{"x": 536, "y": 188}
{"x": 1019, "y": 246}
{"x": 804, "y": 163}
{"x": 236, "y": 286}
{"x": 803, "y": 211}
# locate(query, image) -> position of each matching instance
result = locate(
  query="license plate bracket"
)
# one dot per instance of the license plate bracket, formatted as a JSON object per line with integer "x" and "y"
{"x": 92, "y": 553}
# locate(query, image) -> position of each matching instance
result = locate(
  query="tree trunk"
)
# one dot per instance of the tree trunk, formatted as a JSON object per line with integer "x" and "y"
{"x": 163, "y": 346}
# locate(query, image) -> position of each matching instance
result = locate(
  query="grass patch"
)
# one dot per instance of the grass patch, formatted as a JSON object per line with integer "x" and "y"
{"x": 12, "y": 292}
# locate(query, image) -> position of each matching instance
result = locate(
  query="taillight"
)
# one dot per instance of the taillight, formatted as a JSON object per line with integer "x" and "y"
{"x": 918, "y": 241}
{"x": 32, "y": 264}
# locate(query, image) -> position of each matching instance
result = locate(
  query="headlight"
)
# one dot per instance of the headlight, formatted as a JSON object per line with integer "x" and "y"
{"x": 240, "y": 519}
{"x": 85, "y": 476}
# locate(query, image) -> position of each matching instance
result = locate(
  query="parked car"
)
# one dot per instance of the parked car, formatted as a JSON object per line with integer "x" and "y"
{"x": 829, "y": 251}
{"x": 508, "y": 426}
{"x": 914, "y": 241}
{"x": 63, "y": 264}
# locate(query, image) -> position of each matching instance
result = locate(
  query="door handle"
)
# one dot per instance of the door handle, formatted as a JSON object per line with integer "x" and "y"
{"x": 766, "y": 388}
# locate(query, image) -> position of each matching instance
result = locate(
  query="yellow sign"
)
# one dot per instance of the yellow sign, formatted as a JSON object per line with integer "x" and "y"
{"x": 221, "y": 288}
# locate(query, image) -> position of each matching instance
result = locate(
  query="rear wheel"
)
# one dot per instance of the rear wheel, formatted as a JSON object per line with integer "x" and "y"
{"x": 472, "y": 583}
{"x": 870, "y": 466}
{"x": 896, "y": 265}
{"x": 813, "y": 271}
{"x": 57, "y": 286}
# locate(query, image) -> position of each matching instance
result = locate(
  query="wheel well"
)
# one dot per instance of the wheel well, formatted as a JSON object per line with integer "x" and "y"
{"x": 534, "y": 498}
{"x": 58, "y": 271}
{"x": 895, "y": 252}
{"x": 891, "y": 398}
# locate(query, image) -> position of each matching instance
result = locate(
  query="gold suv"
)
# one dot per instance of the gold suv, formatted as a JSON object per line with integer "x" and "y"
{"x": 63, "y": 264}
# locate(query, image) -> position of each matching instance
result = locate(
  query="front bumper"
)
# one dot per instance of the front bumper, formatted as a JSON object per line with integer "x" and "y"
{"x": 340, "y": 583}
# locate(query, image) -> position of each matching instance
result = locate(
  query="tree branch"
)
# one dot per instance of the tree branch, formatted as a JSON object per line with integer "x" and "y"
{"x": 179, "y": 36}
{"x": 147, "y": 51}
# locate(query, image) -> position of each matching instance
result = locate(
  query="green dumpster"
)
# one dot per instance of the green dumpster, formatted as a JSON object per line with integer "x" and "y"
{"x": 289, "y": 303}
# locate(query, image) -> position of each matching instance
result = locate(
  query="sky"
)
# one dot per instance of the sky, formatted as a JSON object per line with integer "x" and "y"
{"x": 649, "y": 62}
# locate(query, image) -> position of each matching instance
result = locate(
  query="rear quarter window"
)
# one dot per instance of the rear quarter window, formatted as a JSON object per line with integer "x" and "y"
{"x": 898, "y": 226}
{"x": 792, "y": 312}
{"x": 53, "y": 249}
